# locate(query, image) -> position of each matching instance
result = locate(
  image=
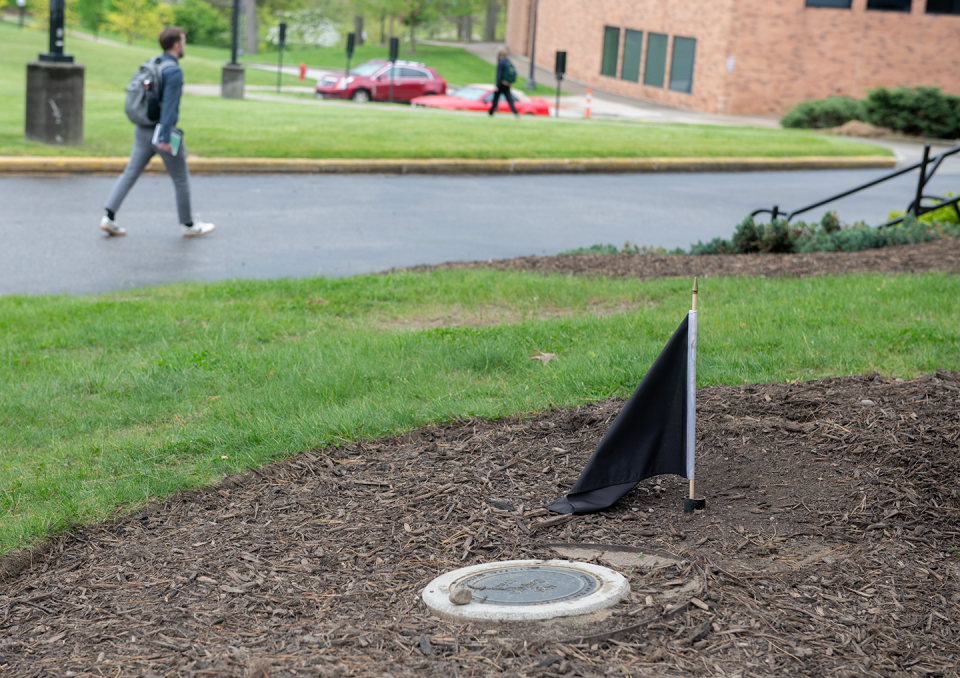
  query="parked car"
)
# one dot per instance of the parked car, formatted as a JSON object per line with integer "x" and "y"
{"x": 479, "y": 97}
{"x": 370, "y": 81}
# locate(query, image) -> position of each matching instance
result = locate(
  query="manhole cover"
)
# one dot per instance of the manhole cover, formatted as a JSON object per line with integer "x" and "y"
{"x": 529, "y": 585}
{"x": 521, "y": 590}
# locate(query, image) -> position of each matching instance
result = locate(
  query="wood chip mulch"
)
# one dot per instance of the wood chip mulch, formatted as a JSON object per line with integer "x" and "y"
{"x": 940, "y": 255}
{"x": 829, "y": 545}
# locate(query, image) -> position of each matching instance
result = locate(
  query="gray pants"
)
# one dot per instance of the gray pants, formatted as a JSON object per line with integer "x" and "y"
{"x": 176, "y": 166}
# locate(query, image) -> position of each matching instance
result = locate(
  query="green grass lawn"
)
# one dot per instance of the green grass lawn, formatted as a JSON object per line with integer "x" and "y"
{"x": 111, "y": 400}
{"x": 245, "y": 128}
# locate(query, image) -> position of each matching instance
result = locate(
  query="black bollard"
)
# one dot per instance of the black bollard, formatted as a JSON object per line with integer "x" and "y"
{"x": 232, "y": 76}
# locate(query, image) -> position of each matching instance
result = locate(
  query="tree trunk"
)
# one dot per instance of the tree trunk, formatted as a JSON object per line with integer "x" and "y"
{"x": 468, "y": 28}
{"x": 459, "y": 29}
{"x": 358, "y": 28}
{"x": 253, "y": 39}
{"x": 383, "y": 28}
{"x": 413, "y": 36}
{"x": 490, "y": 24}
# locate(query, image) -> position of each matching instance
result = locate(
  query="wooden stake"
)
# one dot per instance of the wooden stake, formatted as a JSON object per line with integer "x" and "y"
{"x": 692, "y": 494}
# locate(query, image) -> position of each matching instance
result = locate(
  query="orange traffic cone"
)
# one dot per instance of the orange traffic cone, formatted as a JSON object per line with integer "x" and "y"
{"x": 303, "y": 71}
{"x": 589, "y": 101}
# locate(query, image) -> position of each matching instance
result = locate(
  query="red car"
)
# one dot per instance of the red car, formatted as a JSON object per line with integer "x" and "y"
{"x": 370, "y": 81}
{"x": 479, "y": 97}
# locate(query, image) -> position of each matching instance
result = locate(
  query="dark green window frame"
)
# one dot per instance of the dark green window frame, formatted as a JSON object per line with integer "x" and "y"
{"x": 611, "y": 51}
{"x": 681, "y": 64}
{"x": 889, "y": 5}
{"x": 632, "y": 52}
{"x": 943, "y": 6}
{"x": 655, "y": 66}
{"x": 835, "y": 4}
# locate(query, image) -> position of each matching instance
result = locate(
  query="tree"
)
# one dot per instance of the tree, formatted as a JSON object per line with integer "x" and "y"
{"x": 250, "y": 15}
{"x": 416, "y": 12}
{"x": 40, "y": 10}
{"x": 461, "y": 12}
{"x": 491, "y": 19}
{"x": 202, "y": 23}
{"x": 93, "y": 14}
{"x": 138, "y": 18}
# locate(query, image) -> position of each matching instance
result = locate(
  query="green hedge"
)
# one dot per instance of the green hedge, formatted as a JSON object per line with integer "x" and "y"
{"x": 823, "y": 113}
{"x": 922, "y": 111}
{"x": 827, "y": 236}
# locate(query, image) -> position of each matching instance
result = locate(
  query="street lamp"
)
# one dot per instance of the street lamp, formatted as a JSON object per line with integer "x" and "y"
{"x": 57, "y": 11}
{"x": 232, "y": 76}
{"x": 233, "y": 32}
{"x": 531, "y": 80}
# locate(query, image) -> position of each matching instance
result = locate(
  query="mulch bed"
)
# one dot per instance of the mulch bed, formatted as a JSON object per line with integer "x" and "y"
{"x": 829, "y": 547}
{"x": 940, "y": 255}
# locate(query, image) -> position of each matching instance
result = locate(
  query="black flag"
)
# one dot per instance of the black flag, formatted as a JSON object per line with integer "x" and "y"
{"x": 650, "y": 435}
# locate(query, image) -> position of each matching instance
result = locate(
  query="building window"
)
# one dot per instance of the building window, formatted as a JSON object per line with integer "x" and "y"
{"x": 943, "y": 6}
{"x": 681, "y": 64}
{"x": 889, "y": 5}
{"x": 838, "y": 4}
{"x": 656, "y": 64}
{"x": 611, "y": 49}
{"x": 632, "y": 50}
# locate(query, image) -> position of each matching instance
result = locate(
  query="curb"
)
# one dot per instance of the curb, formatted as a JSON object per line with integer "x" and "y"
{"x": 61, "y": 165}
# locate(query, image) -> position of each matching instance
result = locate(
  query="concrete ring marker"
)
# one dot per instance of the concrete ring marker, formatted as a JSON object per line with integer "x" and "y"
{"x": 526, "y": 590}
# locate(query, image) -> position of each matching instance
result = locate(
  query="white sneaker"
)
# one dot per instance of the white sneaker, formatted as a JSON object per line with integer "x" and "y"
{"x": 199, "y": 228}
{"x": 110, "y": 226}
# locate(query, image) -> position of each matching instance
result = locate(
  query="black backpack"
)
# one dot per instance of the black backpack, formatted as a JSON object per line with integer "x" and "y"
{"x": 144, "y": 92}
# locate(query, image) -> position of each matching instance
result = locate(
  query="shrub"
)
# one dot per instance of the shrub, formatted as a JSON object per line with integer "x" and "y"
{"x": 628, "y": 248}
{"x": 831, "y": 112}
{"x": 827, "y": 236}
{"x": 920, "y": 111}
{"x": 944, "y": 215}
{"x": 923, "y": 111}
{"x": 203, "y": 24}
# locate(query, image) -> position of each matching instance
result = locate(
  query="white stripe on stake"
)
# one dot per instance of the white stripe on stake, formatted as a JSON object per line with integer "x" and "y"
{"x": 691, "y": 393}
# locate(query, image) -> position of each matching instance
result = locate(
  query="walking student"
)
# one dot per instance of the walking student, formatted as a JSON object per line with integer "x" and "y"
{"x": 506, "y": 76}
{"x": 163, "y": 138}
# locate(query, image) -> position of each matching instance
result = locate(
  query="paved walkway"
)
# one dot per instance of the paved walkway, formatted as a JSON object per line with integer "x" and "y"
{"x": 278, "y": 226}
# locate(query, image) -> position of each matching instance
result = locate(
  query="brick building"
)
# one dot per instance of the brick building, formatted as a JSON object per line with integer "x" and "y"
{"x": 744, "y": 56}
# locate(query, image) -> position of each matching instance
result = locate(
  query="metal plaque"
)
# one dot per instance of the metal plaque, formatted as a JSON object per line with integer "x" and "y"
{"x": 529, "y": 585}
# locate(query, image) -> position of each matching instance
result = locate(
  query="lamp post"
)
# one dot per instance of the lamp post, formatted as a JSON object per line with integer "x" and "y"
{"x": 281, "y": 40}
{"x": 21, "y": 4}
{"x": 55, "y": 53}
{"x": 531, "y": 80}
{"x": 232, "y": 76}
{"x": 233, "y": 32}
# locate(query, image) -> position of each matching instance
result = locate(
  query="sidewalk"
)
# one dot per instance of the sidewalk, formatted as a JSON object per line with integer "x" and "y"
{"x": 442, "y": 166}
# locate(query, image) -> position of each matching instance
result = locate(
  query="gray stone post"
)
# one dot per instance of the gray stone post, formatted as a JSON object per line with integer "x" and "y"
{"x": 231, "y": 81}
{"x": 55, "y": 103}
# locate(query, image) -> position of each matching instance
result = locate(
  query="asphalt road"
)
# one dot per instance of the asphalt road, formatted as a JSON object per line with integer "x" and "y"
{"x": 296, "y": 226}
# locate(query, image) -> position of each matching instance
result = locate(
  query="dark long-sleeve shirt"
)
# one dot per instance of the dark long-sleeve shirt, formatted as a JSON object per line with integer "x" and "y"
{"x": 172, "y": 79}
{"x": 500, "y": 64}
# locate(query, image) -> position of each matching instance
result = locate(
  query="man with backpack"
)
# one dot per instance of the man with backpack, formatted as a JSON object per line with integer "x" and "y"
{"x": 506, "y": 76}
{"x": 153, "y": 105}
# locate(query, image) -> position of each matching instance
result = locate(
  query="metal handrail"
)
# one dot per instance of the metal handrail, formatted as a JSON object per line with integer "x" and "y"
{"x": 915, "y": 207}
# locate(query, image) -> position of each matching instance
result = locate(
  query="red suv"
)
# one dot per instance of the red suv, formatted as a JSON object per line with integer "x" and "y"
{"x": 370, "y": 81}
